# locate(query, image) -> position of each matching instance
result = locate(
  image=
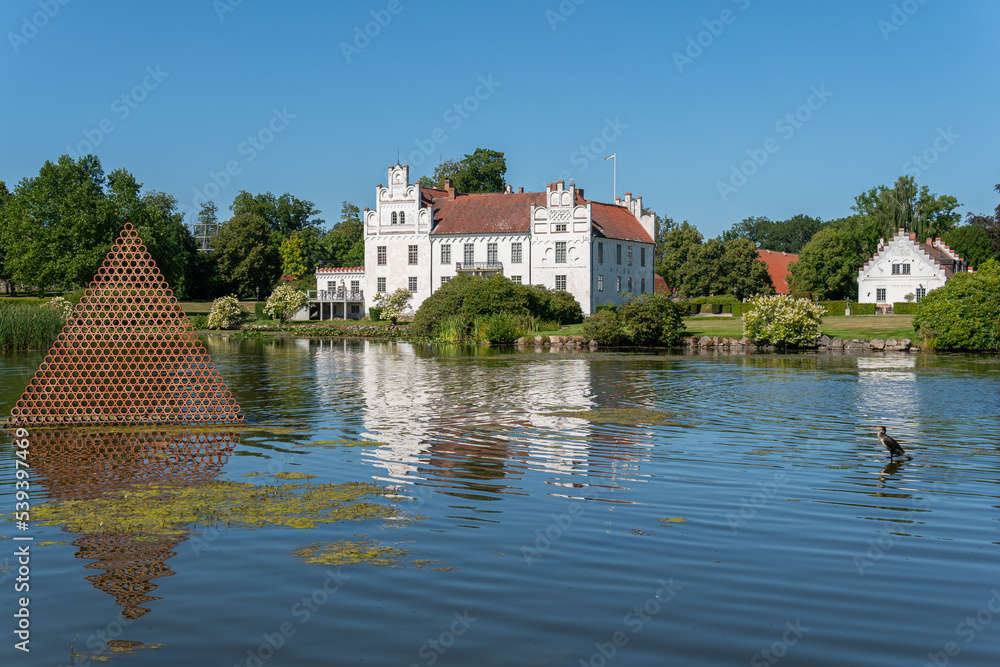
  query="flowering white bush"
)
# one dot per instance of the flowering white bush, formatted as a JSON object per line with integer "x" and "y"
{"x": 60, "y": 305}
{"x": 779, "y": 319}
{"x": 394, "y": 304}
{"x": 284, "y": 302}
{"x": 227, "y": 313}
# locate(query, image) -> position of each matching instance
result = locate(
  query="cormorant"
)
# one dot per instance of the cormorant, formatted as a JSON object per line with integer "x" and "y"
{"x": 890, "y": 443}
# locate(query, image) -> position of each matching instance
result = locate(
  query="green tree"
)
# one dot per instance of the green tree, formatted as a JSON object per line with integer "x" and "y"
{"x": 293, "y": 261}
{"x": 245, "y": 256}
{"x": 717, "y": 268}
{"x": 906, "y": 206}
{"x": 481, "y": 171}
{"x": 991, "y": 225}
{"x": 828, "y": 265}
{"x": 793, "y": 234}
{"x": 58, "y": 226}
{"x": 971, "y": 241}
{"x": 168, "y": 240}
{"x": 344, "y": 245}
{"x": 284, "y": 215}
{"x": 207, "y": 226}
{"x": 964, "y": 314}
{"x": 5, "y": 273}
{"x": 675, "y": 244}
{"x": 757, "y": 230}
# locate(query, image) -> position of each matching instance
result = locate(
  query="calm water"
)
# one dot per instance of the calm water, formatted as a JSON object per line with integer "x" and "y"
{"x": 792, "y": 538}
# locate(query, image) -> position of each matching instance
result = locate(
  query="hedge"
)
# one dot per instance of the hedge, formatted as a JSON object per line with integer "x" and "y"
{"x": 904, "y": 308}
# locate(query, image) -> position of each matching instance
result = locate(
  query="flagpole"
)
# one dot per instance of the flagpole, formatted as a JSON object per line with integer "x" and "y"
{"x": 614, "y": 181}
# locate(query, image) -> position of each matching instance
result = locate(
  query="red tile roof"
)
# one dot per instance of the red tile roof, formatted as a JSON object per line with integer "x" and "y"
{"x": 660, "y": 285}
{"x": 777, "y": 266}
{"x": 504, "y": 213}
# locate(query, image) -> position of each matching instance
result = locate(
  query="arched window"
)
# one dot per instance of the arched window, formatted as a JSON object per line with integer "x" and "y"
{"x": 393, "y": 217}
{"x": 402, "y": 218}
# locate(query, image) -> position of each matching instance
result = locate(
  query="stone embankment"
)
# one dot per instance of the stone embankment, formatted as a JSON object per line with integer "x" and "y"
{"x": 740, "y": 345}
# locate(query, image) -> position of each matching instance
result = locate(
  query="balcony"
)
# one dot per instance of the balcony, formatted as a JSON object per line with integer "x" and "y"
{"x": 346, "y": 295}
{"x": 479, "y": 268}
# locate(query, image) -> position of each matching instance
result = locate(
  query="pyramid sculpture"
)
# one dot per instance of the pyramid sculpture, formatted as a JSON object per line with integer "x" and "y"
{"x": 127, "y": 355}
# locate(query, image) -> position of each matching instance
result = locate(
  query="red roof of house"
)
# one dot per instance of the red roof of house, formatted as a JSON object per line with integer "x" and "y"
{"x": 777, "y": 265}
{"x": 659, "y": 284}
{"x": 505, "y": 213}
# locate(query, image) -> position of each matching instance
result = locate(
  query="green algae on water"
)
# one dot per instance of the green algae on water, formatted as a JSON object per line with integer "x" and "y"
{"x": 349, "y": 553}
{"x": 626, "y": 416}
{"x": 294, "y": 475}
{"x": 666, "y": 521}
{"x": 168, "y": 509}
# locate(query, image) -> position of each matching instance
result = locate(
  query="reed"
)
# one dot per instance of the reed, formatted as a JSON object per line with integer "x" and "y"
{"x": 28, "y": 327}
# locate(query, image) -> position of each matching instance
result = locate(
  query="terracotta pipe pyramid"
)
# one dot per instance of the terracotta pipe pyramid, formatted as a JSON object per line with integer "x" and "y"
{"x": 127, "y": 355}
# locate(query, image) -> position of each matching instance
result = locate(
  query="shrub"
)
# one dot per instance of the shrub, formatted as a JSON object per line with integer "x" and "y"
{"x": 653, "y": 319}
{"x": 199, "y": 322}
{"x": 964, "y": 314}
{"x": 606, "y": 327}
{"x": 284, "y": 302}
{"x": 258, "y": 311}
{"x": 394, "y": 304}
{"x": 59, "y": 305}
{"x": 862, "y": 308}
{"x": 227, "y": 313}
{"x": 375, "y": 313}
{"x": 503, "y": 328}
{"x": 904, "y": 308}
{"x": 781, "y": 320}
{"x": 561, "y": 307}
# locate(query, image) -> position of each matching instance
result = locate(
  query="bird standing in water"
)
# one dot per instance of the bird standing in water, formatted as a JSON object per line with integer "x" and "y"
{"x": 890, "y": 443}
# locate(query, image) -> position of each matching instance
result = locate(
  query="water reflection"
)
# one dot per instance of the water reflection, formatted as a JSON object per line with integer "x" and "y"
{"x": 85, "y": 464}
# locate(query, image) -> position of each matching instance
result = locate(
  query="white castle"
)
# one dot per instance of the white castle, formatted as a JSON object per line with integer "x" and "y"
{"x": 420, "y": 238}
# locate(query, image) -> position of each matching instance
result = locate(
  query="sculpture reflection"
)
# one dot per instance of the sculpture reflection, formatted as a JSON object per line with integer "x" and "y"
{"x": 85, "y": 464}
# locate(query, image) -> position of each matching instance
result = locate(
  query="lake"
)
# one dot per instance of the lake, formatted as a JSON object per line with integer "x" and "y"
{"x": 531, "y": 508}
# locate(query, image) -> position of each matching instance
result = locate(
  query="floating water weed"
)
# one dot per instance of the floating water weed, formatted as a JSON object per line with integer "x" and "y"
{"x": 294, "y": 475}
{"x": 349, "y": 553}
{"x": 666, "y": 521}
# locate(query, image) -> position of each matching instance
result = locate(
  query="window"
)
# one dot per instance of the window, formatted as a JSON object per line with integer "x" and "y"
{"x": 880, "y": 294}
{"x": 906, "y": 269}
{"x": 561, "y": 283}
{"x": 629, "y": 285}
{"x": 642, "y": 290}
{"x": 630, "y": 255}
{"x": 355, "y": 309}
{"x": 393, "y": 218}
{"x": 921, "y": 293}
{"x": 411, "y": 283}
{"x": 515, "y": 253}
{"x": 560, "y": 252}
{"x": 411, "y": 255}
{"x": 402, "y": 218}
{"x": 355, "y": 285}
{"x": 491, "y": 253}
{"x": 470, "y": 253}
{"x": 561, "y": 227}
{"x": 600, "y": 252}
{"x": 642, "y": 256}
{"x": 618, "y": 252}
{"x": 516, "y": 280}
{"x": 600, "y": 283}
{"x": 895, "y": 269}
{"x": 445, "y": 279}
{"x": 381, "y": 255}
{"x": 446, "y": 253}
{"x": 618, "y": 284}
{"x": 381, "y": 285}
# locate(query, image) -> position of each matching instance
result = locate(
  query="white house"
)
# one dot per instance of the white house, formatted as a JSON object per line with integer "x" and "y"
{"x": 905, "y": 266}
{"x": 419, "y": 238}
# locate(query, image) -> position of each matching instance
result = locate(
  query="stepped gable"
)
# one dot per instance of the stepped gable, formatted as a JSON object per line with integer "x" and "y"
{"x": 127, "y": 355}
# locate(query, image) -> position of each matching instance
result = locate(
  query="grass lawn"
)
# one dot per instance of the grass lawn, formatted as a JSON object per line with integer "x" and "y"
{"x": 854, "y": 326}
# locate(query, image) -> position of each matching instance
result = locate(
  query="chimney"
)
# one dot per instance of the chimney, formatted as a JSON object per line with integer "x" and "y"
{"x": 508, "y": 189}
{"x": 579, "y": 191}
{"x": 561, "y": 185}
{"x": 449, "y": 188}
{"x": 930, "y": 241}
{"x": 520, "y": 191}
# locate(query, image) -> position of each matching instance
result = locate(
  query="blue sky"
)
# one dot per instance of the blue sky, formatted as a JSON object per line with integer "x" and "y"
{"x": 716, "y": 110}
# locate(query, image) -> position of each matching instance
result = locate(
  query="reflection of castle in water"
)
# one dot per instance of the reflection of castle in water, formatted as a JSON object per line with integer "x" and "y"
{"x": 477, "y": 416}
{"x": 80, "y": 465}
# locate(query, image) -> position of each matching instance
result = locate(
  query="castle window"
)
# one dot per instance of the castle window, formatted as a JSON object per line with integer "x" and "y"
{"x": 642, "y": 256}
{"x": 516, "y": 280}
{"x": 561, "y": 283}
{"x": 600, "y": 283}
{"x": 411, "y": 283}
{"x": 402, "y": 218}
{"x": 560, "y": 227}
{"x": 380, "y": 251}
{"x": 906, "y": 269}
{"x": 642, "y": 290}
{"x": 618, "y": 253}
{"x": 446, "y": 253}
{"x": 515, "y": 253}
{"x": 470, "y": 253}
{"x": 355, "y": 309}
{"x": 880, "y": 294}
{"x": 355, "y": 285}
{"x": 921, "y": 293}
{"x": 444, "y": 280}
{"x": 560, "y": 252}
{"x": 630, "y": 257}
{"x": 895, "y": 269}
{"x": 600, "y": 252}
{"x": 411, "y": 255}
{"x": 394, "y": 217}
{"x": 618, "y": 284}
{"x": 491, "y": 253}
{"x": 381, "y": 285}
{"x": 629, "y": 285}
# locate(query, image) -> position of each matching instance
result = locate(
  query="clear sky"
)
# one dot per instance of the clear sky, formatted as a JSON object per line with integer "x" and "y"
{"x": 717, "y": 110}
